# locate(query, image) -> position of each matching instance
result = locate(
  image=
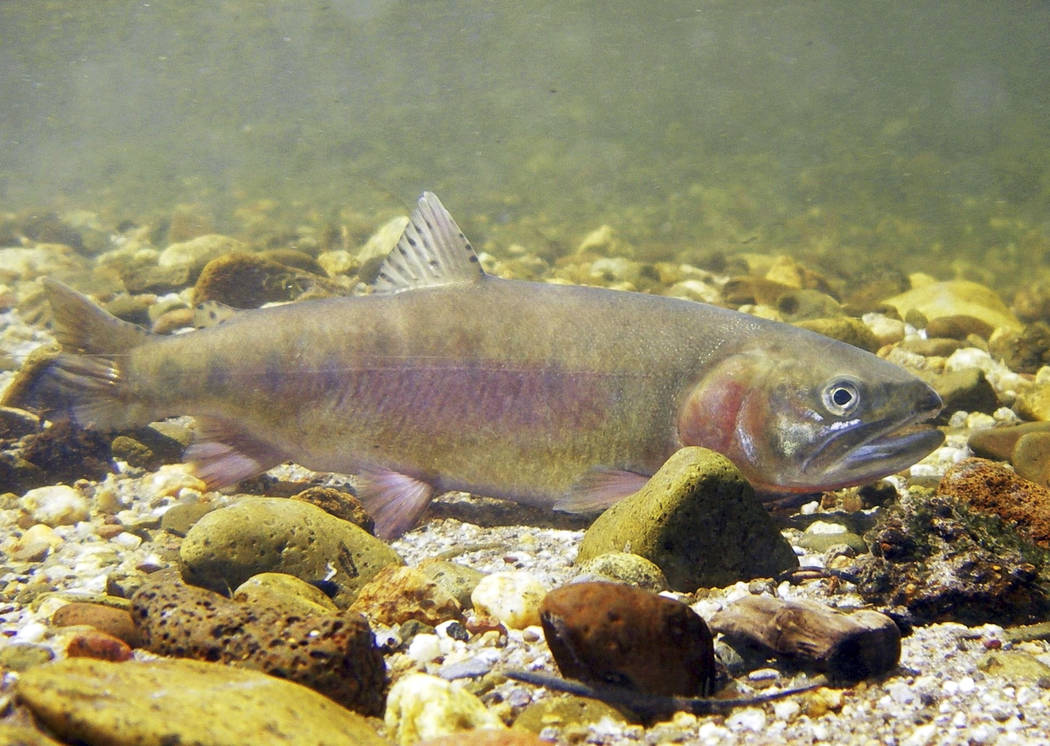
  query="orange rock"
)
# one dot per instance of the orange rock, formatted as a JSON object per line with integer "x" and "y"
{"x": 397, "y": 594}
{"x": 992, "y": 488}
{"x": 107, "y": 619}
{"x": 98, "y": 645}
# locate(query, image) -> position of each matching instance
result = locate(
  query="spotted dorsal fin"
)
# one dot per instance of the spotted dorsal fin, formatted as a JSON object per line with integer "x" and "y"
{"x": 432, "y": 251}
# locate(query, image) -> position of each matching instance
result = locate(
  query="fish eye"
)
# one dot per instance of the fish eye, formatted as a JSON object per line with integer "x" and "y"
{"x": 841, "y": 396}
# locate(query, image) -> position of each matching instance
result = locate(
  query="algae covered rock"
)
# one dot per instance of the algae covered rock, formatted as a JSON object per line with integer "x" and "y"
{"x": 183, "y": 702}
{"x": 271, "y": 534}
{"x": 280, "y": 591}
{"x": 698, "y": 520}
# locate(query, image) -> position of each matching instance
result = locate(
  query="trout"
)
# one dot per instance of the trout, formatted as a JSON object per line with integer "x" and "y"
{"x": 447, "y": 378}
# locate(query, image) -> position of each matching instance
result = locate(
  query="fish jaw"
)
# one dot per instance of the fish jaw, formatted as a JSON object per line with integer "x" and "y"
{"x": 823, "y": 416}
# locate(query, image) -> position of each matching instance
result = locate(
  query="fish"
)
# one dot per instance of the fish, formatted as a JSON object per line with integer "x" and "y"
{"x": 446, "y": 378}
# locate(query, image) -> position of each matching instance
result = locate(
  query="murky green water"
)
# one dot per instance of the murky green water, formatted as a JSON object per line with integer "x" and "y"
{"x": 911, "y": 135}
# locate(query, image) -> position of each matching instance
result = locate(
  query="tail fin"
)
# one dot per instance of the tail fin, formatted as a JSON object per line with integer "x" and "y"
{"x": 84, "y": 382}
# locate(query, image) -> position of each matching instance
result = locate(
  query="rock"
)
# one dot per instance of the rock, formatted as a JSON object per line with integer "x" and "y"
{"x": 338, "y": 262}
{"x": 933, "y": 346}
{"x": 802, "y": 304}
{"x": 698, "y": 520}
{"x": 486, "y": 738}
{"x": 512, "y": 597}
{"x": 956, "y": 298}
{"x": 66, "y": 453}
{"x": 848, "y": 647}
{"x": 50, "y": 228}
{"x": 1014, "y": 665}
{"x": 1023, "y": 351}
{"x": 1034, "y": 404}
{"x": 965, "y": 390}
{"x": 341, "y": 504}
{"x": 421, "y": 706}
{"x": 21, "y": 656}
{"x": 181, "y": 517}
{"x": 609, "y": 633}
{"x": 458, "y": 580}
{"x": 958, "y": 327}
{"x": 248, "y": 281}
{"x": 1031, "y": 458}
{"x": 564, "y": 711}
{"x": 34, "y": 544}
{"x": 604, "y": 240}
{"x": 999, "y": 442}
{"x": 109, "y": 619}
{"x": 285, "y": 593}
{"x": 293, "y": 258}
{"x": 624, "y": 567}
{"x": 15, "y": 423}
{"x": 334, "y": 654}
{"x": 183, "y": 702}
{"x": 197, "y": 252}
{"x": 18, "y": 734}
{"x": 377, "y": 247}
{"x": 820, "y": 536}
{"x": 148, "y": 448}
{"x": 992, "y": 488}
{"x": 150, "y": 278}
{"x": 56, "y": 505}
{"x": 845, "y": 329}
{"x": 271, "y": 534}
{"x": 939, "y": 561}
{"x": 98, "y": 645}
{"x": 397, "y": 594}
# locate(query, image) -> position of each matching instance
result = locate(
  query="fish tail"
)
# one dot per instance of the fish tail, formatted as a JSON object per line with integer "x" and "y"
{"x": 85, "y": 382}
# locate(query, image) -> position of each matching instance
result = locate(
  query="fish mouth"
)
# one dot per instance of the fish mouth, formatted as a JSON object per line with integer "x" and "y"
{"x": 875, "y": 450}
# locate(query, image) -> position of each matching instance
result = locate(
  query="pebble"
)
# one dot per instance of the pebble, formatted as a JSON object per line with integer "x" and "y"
{"x": 105, "y": 618}
{"x": 183, "y": 701}
{"x": 334, "y": 654}
{"x": 99, "y": 645}
{"x": 398, "y": 593}
{"x": 609, "y": 632}
{"x": 271, "y": 534}
{"x": 822, "y": 535}
{"x": 56, "y": 505}
{"x": 678, "y": 521}
{"x": 749, "y": 718}
{"x": 512, "y": 597}
{"x": 197, "y": 252}
{"x": 956, "y": 298}
{"x": 624, "y": 567}
{"x": 287, "y": 593}
{"x": 34, "y": 543}
{"x": 21, "y": 656}
{"x": 421, "y": 706}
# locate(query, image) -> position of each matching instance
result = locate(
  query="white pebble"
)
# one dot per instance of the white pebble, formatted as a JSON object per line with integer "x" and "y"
{"x": 922, "y": 735}
{"x": 56, "y": 505}
{"x": 420, "y": 706}
{"x": 34, "y": 544}
{"x": 126, "y": 539}
{"x": 901, "y": 692}
{"x": 171, "y": 479}
{"x": 786, "y": 709}
{"x": 424, "y": 648}
{"x": 749, "y": 718}
{"x": 967, "y": 685}
{"x": 31, "y": 632}
{"x": 512, "y": 597}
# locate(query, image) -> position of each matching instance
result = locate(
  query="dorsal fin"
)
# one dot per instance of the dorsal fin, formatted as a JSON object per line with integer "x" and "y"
{"x": 432, "y": 251}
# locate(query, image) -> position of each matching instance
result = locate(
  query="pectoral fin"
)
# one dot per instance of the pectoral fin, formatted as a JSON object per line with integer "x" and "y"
{"x": 394, "y": 500}
{"x": 599, "y": 489}
{"x": 223, "y": 454}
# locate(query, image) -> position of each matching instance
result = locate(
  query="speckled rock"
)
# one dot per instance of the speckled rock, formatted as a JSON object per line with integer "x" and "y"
{"x": 21, "y": 656}
{"x": 268, "y": 534}
{"x": 604, "y": 633}
{"x": 422, "y": 706}
{"x": 183, "y": 702}
{"x": 698, "y": 520}
{"x": 624, "y": 567}
{"x": 108, "y": 619}
{"x": 956, "y": 298}
{"x": 564, "y": 711}
{"x": 334, "y": 654}
{"x": 512, "y": 597}
{"x": 940, "y": 561}
{"x": 397, "y": 594}
{"x": 287, "y": 593}
{"x": 458, "y": 580}
{"x": 992, "y": 488}
{"x": 338, "y": 503}
{"x": 1023, "y": 351}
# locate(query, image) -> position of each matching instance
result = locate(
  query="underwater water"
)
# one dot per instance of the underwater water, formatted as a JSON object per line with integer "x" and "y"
{"x": 857, "y": 136}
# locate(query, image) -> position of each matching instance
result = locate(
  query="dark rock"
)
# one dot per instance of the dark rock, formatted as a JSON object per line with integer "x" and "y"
{"x": 999, "y": 442}
{"x": 67, "y": 453}
{"x": 150, "y": 278}
{"x": 940, "y": 560}
{"x": 98, "y": 645}
{"x": 269, "y": 534}
{"x": 397, "y": 594}
{"x": 249, "y": 281}
{"x": 989, "y": 487}
{"x": 294, "y": 259}
{"x": 108, "y": 619}
{"x": 609, "y": 633}
{"x": 334, "y": 654}
{"x": 344, "y": 505}
{"x": 49, "y": 228}
{"x": 147, "y": 448}
{"x": 699, "y": 521}
{"x": 964, "y": 390}
{"x": 16, "y": 423}
{"x": 1025, "y": 351}
{"x": 958, "y": 327}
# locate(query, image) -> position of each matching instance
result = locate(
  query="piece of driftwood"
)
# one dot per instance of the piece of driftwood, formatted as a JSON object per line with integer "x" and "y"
{"x": 847, "y": 647}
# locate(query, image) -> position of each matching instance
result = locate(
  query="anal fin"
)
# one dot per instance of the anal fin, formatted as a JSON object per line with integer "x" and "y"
{"x": 394, "y": 500}
{"x": 225, "y": 454}
{"x": 599, "y": 489}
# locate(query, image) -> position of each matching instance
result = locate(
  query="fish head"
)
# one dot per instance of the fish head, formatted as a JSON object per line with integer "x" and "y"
{"x": 814, "y": 415}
